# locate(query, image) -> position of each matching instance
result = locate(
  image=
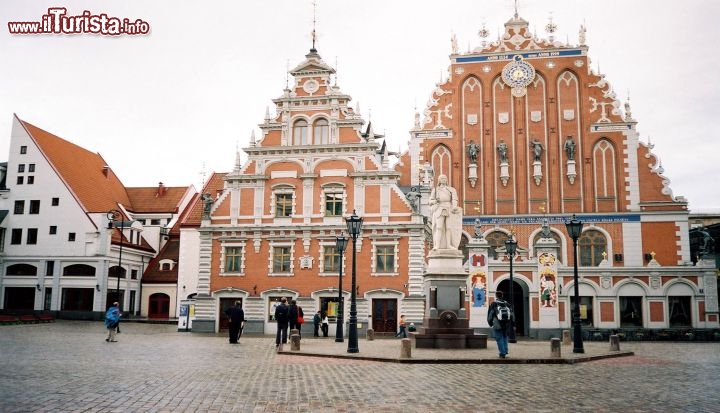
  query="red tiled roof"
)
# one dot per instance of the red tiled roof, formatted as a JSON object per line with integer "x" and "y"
{"x": 153, "y": 274}
{"x": 85, "y": 174}
{"x": 156, "y": 199}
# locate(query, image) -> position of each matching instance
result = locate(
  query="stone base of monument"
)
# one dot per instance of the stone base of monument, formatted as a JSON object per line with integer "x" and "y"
{"x": 447, "y": 331}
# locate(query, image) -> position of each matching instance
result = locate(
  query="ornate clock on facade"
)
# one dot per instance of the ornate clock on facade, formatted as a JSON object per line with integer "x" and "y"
{"x": 518, "y": 74}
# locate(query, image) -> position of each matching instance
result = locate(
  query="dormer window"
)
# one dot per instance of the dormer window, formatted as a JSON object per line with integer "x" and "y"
{"x": 300, "y": 132}
{"x": 167, "y": 265}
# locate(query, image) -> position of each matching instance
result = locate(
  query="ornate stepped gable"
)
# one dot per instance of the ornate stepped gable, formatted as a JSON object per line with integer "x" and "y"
{"x": 521, "y": 90}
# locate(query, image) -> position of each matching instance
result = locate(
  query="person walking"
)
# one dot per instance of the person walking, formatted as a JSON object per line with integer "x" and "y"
{"x": 236, "y": 315}
{"x": 281, "y": 318}
{"x": 112, "y": 319}
{"x": 325, "y": 325}
{"x": 401, "y": 327}
{"x": 316, "y": 324}
{"x": 500, "y": 318}
{"x": 296, "y": 316}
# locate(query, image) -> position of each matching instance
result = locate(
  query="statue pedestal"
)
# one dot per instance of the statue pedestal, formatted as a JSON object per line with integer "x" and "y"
{"x": 571, "y": 171}
{"x": 446, "y": 324}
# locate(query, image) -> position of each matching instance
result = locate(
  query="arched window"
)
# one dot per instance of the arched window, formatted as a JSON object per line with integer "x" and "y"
{"x": 591, "y": 246}
{"x": 320, "y": 132}
{"x": 300, "y": 130}
{"x": 115, "y": 272}
{"x": 496, "y": 239}
{"x": 21, "y": 269}
{"x": 441, "y": 162}
{"x": 79, "y": 269}
{"x": 554, "y": 236}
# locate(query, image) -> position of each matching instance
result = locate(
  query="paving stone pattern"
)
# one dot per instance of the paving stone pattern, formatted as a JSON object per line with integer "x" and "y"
{"x": 67, "y": 366}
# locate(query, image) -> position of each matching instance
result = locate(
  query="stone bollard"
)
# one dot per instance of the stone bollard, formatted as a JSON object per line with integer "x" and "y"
{"x": 614, "y": 342}
{"x": 555, "y": 348}
{"x": 566, "y": 337}
{"x": 294, "y": 340}
{"x": 405, "y": 349}
{"x": 370, "y": 334}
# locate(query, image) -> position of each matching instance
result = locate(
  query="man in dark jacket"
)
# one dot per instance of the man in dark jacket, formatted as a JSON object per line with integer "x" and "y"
{"x": 500, "y": 327}
{"x": 281, "y": 318}
{"x": 236, "y": 315}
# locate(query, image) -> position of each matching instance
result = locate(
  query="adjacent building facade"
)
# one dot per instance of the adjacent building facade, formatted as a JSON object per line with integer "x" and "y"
{"x": 73, "y": 238}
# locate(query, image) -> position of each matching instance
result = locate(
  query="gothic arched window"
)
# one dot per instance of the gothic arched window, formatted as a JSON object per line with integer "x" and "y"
{"x": 496, "y": 239}
{"x": 591, "y": 246}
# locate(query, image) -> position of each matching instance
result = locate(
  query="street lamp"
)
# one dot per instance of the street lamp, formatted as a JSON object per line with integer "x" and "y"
{"x": 354, "y": 223}
{"x": 510, "y": 248}
{"x": 574, "y": 228}
{"x": 112, "y": 215}
{"x": 340, "y": 244}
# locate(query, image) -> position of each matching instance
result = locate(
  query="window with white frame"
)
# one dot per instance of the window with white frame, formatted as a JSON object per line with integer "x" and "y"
{"x": 300, "y": 132}
{"x": 331, "y": 259}
{"x": 233, "y": 259}
{"x": 281, "y": 259}
{"x": 385, "y": 258}
{"x": 283, "y": 199}
{"x": 332, "y": 199}
{"x": 320, "y": 131}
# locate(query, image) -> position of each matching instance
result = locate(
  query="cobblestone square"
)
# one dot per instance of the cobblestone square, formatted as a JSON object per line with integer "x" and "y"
{"x": 67, "y": 366}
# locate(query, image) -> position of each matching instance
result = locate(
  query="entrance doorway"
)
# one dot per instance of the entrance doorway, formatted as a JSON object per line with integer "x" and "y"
{"x": 384, "y": 315}
{"x": 225, "y": 304}
{"x": 518, "y": 301}
{"x": 159, "y": 306}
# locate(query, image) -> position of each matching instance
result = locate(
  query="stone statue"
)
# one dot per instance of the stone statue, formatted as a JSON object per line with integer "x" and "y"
{"x": 570, "y": 148}
{"x": 478, "y": 229}
{"x": 473, "y": 150}
{"x": 708, "y": 246}
{"x": 446, "y": 216}
{"x": 537, "y": 149}
{"x": 207, "y": 205}
{"x": 413, "y": 198}
{"x": 502, "y": 150}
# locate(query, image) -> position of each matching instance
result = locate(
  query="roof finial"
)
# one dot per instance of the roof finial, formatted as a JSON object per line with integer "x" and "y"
{"x": 336, "y": 71}
{"x": 314, "y": 34}
{"x": 516, "y": 9}
{"x": 287, "y": 74}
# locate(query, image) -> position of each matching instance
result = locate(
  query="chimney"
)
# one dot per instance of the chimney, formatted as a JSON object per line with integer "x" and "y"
{"x": 105, "y": 170}
{"x": 161, "y": 189}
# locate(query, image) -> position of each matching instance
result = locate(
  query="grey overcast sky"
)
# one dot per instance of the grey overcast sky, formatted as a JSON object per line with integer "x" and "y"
{"x": 178, "y": 101}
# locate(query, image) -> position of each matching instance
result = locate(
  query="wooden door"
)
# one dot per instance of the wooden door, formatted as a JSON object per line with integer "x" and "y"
{"x": 384, "y": 315}
{"x": 159, "y": 306}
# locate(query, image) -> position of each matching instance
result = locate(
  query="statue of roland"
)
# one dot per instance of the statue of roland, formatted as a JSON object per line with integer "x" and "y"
{"x": 446, "y": 216}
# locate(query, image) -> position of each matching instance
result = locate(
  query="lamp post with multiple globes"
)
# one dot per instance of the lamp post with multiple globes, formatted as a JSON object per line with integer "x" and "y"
{"x": 511, "y": 248}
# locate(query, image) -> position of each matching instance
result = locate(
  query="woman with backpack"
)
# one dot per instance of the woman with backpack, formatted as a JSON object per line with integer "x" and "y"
{"x": 500, "y": 318}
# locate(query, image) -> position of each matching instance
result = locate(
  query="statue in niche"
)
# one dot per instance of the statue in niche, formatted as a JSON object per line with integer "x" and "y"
{"x": 570, "y": 148}
{"x": 537, "y": 149}
{"x": 502, "y": 150}
{"x": 446, "y": 216}
{"x": 473, "y": 150}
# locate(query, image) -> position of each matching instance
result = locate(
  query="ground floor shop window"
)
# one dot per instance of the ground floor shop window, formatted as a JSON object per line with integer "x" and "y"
{"x": 77, "y": 299}
{"x": 330, "y": 306}
{"x": 19, "y": 298}
{"x": 586, "y": 310}
{"x": 631, "y": 312}
{"x": 679, "y": 309}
